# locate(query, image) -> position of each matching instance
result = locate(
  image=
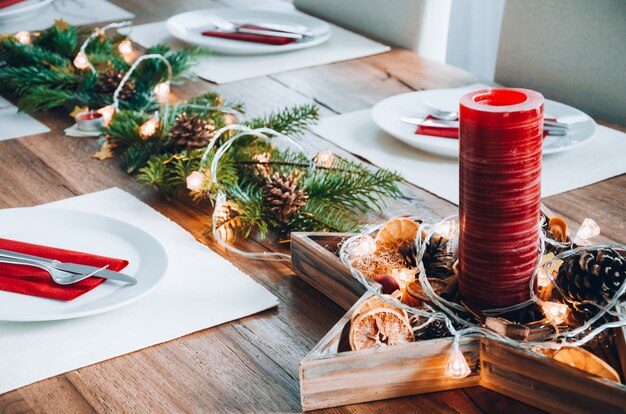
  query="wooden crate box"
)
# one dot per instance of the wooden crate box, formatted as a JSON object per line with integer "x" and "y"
{"x": 332, "y": 375}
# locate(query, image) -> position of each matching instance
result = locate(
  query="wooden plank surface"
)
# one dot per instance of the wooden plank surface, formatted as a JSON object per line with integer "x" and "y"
{"x": 250, "y": 365}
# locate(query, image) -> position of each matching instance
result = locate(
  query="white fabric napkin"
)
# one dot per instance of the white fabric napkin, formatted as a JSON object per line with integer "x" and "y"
{"x": 75, "y": 12}
{"x": 200, "y": 290}
{"x": 601, "y": 158}
{"x": 15, "y": 125}
{"x": 343, "y": 45}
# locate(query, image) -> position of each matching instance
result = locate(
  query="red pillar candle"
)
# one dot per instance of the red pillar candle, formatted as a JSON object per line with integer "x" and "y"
{"x": 501, "y": 133}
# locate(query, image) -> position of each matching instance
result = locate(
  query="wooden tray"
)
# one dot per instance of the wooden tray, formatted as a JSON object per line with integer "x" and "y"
{"x": 331, "y": 375}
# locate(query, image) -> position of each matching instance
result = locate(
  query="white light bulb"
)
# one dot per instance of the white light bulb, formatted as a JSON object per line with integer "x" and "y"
{"x": 403, "y": 276}
{"x": 556, "y": 312}
{"x": 196, "y": 180}
{"x": 324, "y": 159}
{"x": 81, "y": 61}
{"x": 162, "y": 91}
{"x": 542, "y": 278}
{"x": 365, "y": 247}
{"x": 107, "y": 113}
{"x": 457, "y": 364}
{"x": 148, "y": 128}
{"x": 587, "y": 230}
{"x": 23, "y": 37}
{"x": 125, "y": 47}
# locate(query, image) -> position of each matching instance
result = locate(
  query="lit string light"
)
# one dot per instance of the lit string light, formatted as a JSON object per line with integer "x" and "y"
{"x": 107, "y": 114}
{"x": 162, "y": 91}
{"x": 125, "y": 47}
{"x": 23, "y": 37}
{"x": 196, "y": 181}
{"x": 588, "y": 229}
{"x": 149, "y": 128}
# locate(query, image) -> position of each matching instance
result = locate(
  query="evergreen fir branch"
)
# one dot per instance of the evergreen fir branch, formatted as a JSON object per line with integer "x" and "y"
{"x": 43, "y": 98}
{"x": 15, "y": 53}
{"x": 124, "y": 127}
{"x": 352, "y": 190}
{"x": 21, "y": 79}
{"x": 322, "y": 216}
{"x": 61, "y": 39}
{"x": 138, "y": 154}
{"x": 289, "y": 121}
{"x": 153, "y": 71}
{"x": 251, "y": 209}
{"x": 155, "y": 173}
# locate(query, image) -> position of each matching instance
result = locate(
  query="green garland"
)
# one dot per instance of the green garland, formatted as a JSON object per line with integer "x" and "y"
{"x": 42, "y": 74}
{"x": 338, "y": 193}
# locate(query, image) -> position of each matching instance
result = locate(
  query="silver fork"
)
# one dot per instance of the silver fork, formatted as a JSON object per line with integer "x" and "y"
{"x": 61, "y": 277}
{"x": 440, "y": 113}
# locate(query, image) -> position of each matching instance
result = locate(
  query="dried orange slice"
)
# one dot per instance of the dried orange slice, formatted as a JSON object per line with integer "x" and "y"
{"x": 558, "y": 228}
{"x": 396, "y": 233}
{"x": 380, "y": 327}
{"x": 585, "y": 360}
{"x": 373, "y": 303}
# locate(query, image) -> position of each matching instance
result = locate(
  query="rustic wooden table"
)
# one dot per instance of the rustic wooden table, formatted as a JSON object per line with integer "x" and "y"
{"x": 250, "y": 365}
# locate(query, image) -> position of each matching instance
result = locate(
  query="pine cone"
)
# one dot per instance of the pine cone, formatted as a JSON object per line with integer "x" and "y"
{"x": 109, "y": 80}
{"x": 283, "y": 198}
{"x": 594, "y": 276}
{"x": 191, "y": 131}
{"x": 437, "y": 260}
{"x": 435, "y": 329}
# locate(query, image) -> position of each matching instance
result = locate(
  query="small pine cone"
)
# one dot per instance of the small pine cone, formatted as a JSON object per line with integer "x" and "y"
{"x": 191, "y": 131}
{"x": 282, "y": 196}
{"x": 109, "y": 80}
{"x": 437, "y": 260}
{"x": 435, "y": 329}
{"x": 592, "y": 275}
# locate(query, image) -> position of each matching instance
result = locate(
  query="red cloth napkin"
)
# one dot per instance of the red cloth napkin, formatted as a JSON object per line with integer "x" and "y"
{"x": 246, "y": 37}
{"x": 7, "y": 3}
{"x": 437, "y": 131}
{"x": 33, "y": 281}
{"x": 448, "y": 132}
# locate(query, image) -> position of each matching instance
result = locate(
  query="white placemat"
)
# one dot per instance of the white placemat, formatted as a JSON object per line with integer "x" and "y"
{"x": 15, "y": 125}
{"x": 601, "y": 158}
{"x": 343, "y": 45}
{"x": 75, "y": 12}
{"x": 200, "y": 290}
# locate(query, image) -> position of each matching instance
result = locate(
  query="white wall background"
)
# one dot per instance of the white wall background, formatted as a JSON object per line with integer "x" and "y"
{"x": 473, "y": 35}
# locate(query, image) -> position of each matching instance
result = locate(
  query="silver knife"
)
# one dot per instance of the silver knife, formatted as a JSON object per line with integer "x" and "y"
{"x": 73, "y": 267}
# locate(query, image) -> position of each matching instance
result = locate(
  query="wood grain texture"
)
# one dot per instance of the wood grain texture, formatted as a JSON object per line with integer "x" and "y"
{"x": 251, "y": 365}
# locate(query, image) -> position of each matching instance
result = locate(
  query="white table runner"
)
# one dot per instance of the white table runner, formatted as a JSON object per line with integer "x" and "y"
{"x": 601, "y": 158}
{"x": 15, "y": 125}
{"x": 200, "y": 290}
{"x": 343, "y": 45}
{"x": 75, "y": 12}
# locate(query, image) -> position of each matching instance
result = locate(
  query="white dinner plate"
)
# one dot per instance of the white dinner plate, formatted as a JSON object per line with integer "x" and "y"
{"x": 90, "y": 233}
{"x": 22, "y": 10}
{"x": 189, "y": 26}
{"x": 387, "y": 114}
